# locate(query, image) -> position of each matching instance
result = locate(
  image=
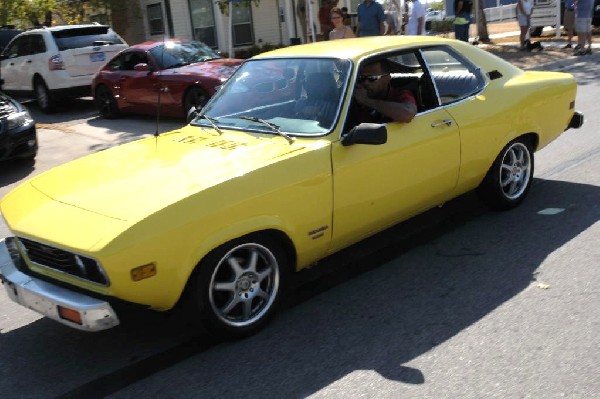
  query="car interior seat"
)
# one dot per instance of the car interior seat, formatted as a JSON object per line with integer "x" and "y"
{"x": 321, "y": 99}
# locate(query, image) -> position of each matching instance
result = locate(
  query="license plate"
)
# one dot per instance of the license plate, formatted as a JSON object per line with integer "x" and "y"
{"x": 97, "y": 57}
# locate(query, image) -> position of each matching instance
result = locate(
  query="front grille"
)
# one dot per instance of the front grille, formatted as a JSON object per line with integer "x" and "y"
{"x": 63, "y": 261}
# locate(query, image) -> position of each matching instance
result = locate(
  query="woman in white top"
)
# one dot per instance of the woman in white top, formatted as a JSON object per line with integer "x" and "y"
{"x": 524, "y": 8}
{"x": 340, "y": 31}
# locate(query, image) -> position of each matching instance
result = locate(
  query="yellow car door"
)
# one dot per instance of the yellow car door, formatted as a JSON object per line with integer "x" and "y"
{"x": 376, "y": 186}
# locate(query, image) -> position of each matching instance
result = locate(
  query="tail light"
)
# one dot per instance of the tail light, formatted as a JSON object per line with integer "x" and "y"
{"x": 55, "y": 63}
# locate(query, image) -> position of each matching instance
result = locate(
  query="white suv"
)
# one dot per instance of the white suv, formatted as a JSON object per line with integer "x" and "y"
{"x": 57, "y": 62}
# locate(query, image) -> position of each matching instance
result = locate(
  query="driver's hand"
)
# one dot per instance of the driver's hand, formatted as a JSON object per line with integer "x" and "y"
{"x": 360, "y": 93}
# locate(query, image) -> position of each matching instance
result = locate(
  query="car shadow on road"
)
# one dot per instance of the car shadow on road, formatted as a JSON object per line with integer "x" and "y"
{"x": 376, "y": 306}
{"x": 81, "y": 116}
{"x": 15, "y": 170}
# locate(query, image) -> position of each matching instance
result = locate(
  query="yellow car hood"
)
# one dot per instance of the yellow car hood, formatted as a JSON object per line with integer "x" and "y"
{"x": 132, "y": 181}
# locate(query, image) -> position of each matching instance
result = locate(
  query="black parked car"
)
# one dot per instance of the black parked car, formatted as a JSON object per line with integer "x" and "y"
{"x": 18, "y": 138}
{"x": 7, "y": 32}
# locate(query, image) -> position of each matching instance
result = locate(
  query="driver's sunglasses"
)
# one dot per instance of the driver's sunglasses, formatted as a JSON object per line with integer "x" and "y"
{"x": 371, "y": 78}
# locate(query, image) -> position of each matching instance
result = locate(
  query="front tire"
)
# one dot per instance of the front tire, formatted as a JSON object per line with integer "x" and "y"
{"x": 509, "y": 179}
{"x": 195, "y": 99}
{"x": 106, "y": 103}
{"x": 238, "y": 287}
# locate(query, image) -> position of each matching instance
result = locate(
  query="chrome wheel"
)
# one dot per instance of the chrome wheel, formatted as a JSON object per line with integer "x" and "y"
{"x": 244, "y": 285}
{"x": 508, "y": 180}
{"x": 515, "y": 171}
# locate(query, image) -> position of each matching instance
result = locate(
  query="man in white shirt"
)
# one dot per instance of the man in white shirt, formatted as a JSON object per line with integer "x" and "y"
{"x": 416, "y": 18}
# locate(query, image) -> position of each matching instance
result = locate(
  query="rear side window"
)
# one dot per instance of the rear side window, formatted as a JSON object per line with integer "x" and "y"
{"x": 85, "y": 37}
{"x": 454, "y": 76}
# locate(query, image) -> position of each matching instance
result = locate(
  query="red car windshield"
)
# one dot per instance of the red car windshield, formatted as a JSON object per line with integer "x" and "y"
{"x": 176, "y": 54}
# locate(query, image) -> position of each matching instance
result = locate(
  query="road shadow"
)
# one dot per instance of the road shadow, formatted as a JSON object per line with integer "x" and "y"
{"x": 375, "y": 306}
{"x": 14, "y": 170}
{"x": 584, "y": 67}
{"x": 80, "y": 116}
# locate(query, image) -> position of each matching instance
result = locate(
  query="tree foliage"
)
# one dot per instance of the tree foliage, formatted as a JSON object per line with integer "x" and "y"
{"x": 25, "y": 14}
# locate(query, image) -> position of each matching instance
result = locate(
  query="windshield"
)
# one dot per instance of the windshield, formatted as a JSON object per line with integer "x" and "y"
{"x": 174, "y": 54}
{"x": 68, "y": 39}
{"x": 299, "y": 96}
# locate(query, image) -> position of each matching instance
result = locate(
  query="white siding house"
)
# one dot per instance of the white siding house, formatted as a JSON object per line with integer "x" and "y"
{"x": 271, "y": 21}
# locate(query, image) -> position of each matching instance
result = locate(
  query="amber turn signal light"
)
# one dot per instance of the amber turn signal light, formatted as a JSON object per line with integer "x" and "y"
{"x": 142, "y": 272}
{"x": 69, "y": 314}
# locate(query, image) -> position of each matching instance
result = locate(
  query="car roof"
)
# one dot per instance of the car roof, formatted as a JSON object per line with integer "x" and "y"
{"x": 59, "y": 28}
{"x": 151, "y": 44}
{"x": 354, "y": 48}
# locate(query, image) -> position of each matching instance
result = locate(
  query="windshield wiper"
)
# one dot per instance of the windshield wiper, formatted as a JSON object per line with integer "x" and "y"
{"x": 212, "y": 121}
{"x": 273, "y": 127}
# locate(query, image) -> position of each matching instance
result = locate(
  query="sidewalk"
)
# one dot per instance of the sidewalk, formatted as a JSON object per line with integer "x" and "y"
{"x": 504, "y": 42}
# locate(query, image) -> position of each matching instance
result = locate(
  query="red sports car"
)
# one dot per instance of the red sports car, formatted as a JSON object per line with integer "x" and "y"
{"x": 176, "y": 74}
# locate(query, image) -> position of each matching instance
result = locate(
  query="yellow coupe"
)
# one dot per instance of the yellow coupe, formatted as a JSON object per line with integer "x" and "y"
{"x": 273, "y": 174}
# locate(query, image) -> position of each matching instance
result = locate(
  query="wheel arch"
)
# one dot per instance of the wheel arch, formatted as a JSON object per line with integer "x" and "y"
{"x": 274, "y": 234}
{"x": 195, "y": 85}
{"x": 533, "y": 139}
{"x": 94, "y": 88}
{"x": 34, "y": 78}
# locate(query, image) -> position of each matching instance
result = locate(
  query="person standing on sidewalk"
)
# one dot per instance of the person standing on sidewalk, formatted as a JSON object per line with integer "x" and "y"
{"x": 462, "y": 19}
{"x": 524, "y": 9}
{"x": 584, "y": 10}
{"x": 569, "y": 21}
{"x": 340, "y": 30}
{"x": 416, "y": 18}
{"x": 370, "y": 19}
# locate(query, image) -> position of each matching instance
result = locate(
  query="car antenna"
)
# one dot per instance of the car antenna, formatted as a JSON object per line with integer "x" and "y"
{"x": 160, "y": 89}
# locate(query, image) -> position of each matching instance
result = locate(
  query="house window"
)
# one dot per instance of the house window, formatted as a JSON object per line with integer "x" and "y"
{"x": 203, "y": 22}
{"x": 155, "y": 19}
{"x": 242, "y": 24}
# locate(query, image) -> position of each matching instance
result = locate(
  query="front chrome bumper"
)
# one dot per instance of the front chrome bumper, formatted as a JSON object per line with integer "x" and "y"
{"x": 45, "y": 298}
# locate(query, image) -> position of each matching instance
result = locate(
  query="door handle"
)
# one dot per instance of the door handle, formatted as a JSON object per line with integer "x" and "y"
{"x": 446, "y": 122}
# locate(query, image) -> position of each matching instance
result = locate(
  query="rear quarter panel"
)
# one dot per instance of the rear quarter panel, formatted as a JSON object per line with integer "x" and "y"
{"x": 510, "y": 107}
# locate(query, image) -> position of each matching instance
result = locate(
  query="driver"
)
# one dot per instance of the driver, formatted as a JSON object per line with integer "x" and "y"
{"x": 378, "y": 101}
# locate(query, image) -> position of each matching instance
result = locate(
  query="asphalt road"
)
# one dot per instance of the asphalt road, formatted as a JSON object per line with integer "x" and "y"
{"x": 460, "y": 302}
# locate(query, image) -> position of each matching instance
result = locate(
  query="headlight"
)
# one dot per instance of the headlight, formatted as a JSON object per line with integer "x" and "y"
{"x": 19, "y": 119}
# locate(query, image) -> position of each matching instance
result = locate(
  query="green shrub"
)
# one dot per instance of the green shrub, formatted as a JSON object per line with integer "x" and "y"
{"x": 446, "y": 25}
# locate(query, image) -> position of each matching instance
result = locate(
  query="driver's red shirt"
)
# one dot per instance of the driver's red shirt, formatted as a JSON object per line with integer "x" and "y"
{"x": 369, "y": 115}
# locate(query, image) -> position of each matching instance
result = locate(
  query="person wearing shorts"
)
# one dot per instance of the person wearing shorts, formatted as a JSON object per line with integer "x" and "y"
{"x": 569, "y": 21}
{"x": 524, "y": 9}
{"x": 583, "y": 25}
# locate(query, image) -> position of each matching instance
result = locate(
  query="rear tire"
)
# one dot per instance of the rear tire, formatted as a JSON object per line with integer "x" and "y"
{"x": 509, "y": 179}
{"x": 237, "y": 288}
{"x": 43, "y": 96}
{"x": 106, "y": 103}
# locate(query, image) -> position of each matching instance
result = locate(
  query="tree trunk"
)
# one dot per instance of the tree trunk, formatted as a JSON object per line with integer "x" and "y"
{"x": 482, "y": 31}
{"x": 48, "y": 18}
